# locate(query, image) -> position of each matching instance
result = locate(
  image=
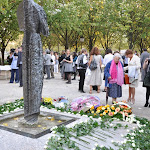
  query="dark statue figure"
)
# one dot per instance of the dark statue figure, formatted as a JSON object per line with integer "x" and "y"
{"x": 34, "y": 24}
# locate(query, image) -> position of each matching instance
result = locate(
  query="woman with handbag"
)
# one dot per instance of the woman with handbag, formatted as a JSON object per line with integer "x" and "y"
{"x": 95, "y": 65}
{"x": 114, "y": 77}
{"x": 68, "y": 69}
{"x": 146, "y": 82}
{"x": 133, "y": 68}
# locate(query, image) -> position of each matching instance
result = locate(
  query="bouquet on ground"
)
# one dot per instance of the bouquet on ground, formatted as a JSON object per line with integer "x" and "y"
{"x": 119, "y": 109}
{"x": 47, "y": 101}
{"x": 61, "y": 102}
{"x": 84, "y": 103}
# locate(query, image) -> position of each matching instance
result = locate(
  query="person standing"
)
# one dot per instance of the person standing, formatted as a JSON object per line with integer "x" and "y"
{"x": 52, "y": 63}
{"x": 74, "y": 65}
{"x": 95, "y": 77}
{"x": 133, "y": 68}
{"x": 19, "y": 64}
{"x": 63, "y": 55}
{"x": 107, "y": 58}
{"x": 56, "y": 63}
{"x": 82, "y": 59}
{"x": 68, "y": 69}
{"x": 114, "y": 77}
{"x": 47, "y": 60}
{"x": 144, "y": 55}
{"x": 146, "y": 67}
{"x": 14, "y": 68}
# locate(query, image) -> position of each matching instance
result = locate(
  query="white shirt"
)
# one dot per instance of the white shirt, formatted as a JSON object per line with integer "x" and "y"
{"x": 53, "y": 58}
{"x": 107, "y": 58}
{"x": 84, "y": 60}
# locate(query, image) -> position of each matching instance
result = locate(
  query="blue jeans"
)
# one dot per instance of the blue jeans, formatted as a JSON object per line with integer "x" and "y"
{"x": 13, "y": 71}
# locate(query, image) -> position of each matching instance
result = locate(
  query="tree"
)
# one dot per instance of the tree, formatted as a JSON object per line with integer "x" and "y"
{"x": 9, "y": 26}
{"x": 135, "y": 19}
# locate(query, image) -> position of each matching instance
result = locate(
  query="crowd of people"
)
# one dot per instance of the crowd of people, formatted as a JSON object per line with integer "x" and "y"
{"x": 118, "y": 70}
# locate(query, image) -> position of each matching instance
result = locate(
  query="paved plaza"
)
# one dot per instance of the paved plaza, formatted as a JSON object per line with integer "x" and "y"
{"x": 57, "y": 87}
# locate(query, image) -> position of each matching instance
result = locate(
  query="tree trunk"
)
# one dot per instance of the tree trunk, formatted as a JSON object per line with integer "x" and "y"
{"x": 66, "y": 45}
{"x": 90, "y": 43}
{"x": 141, "y": 46}
{"x": 76, "y": 46}
{"x": 2, "y": 52}
{"x": 130, "y": 40}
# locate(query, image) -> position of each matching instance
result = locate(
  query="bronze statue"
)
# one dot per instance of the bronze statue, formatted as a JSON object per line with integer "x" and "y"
{"x": 34, "y": 24}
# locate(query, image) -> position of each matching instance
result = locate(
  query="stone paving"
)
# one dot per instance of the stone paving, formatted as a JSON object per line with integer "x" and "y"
{"x": 55, "y": 88}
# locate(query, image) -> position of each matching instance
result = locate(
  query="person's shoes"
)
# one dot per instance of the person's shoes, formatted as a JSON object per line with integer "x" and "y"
{"x": 47, "y": 78}
{"x": 68, "y": 82}
{"x": 53, "y": 77}
{"x": 73, "y": 79}
{"x": 129, "y": 100}
{"x": 21, "y": 86}
{"x": 17, "y": 81}
{"x": 82, "y": 92}
{"x": 104, "y": 90}
{"x": 90, "y": 92}
{"x": 10, "y": 82}
{"x": 146, "y": 104}
{"x": 132, "y": 101}
{"x": 98, "y": 91}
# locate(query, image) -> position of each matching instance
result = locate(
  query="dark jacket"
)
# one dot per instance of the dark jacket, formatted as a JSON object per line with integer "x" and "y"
{"x": 19, "y": 59}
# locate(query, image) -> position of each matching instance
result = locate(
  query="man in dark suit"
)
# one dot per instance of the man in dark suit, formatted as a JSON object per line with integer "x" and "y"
{"x": 19, "y": 64}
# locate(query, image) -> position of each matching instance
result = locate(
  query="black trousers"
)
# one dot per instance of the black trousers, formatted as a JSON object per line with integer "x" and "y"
{"x": 82, "y": 78}
{"x": 20, "y": 75}
{"x": 147, "y": 94}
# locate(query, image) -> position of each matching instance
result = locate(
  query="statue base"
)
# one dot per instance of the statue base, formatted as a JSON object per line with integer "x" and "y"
{"x": 15, "y": 122}
{"x": 26, "y": 124}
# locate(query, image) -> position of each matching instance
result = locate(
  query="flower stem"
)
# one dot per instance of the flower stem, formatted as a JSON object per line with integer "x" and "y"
{"x": 81, "y": 144}
{"x": 103, "y": 134}
{"x": 98, "y": 138}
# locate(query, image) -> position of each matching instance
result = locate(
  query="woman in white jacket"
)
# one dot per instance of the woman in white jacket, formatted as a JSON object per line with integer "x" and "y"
{"x": 133, "y": 68}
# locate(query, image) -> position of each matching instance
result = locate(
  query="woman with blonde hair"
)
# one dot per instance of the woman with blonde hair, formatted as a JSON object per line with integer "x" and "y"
{"x": 68, "y": 68}
{"x": 95, "y": 77}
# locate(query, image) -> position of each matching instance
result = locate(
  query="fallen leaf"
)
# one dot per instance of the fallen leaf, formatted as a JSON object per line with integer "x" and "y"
{"x": 59, "y": 121}
{"x": 52, "y": 119}
{"x": 5, "y": 124}
{"x": 16, "y": 118}
{"x": 39, "y": 126}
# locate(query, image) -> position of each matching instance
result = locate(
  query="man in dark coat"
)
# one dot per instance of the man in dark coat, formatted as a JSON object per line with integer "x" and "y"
{"x": 144, "y": 55}
{"x": 19, "y": 64}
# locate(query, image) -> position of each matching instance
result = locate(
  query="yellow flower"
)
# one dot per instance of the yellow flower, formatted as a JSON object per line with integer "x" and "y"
{"x": 99, "y": 108}
{"x": 112, "y": 107}
{"x": 48, "y": 100}
{"x": 107, "y": 106}
{"x": 104, "y": 113}
{"x": 92, "y": 107}
{"x": 101, "y": 115}
{"x": 92, "y": 112}
{"x": 103, "y": 108}
{"x": 98, "y": 111}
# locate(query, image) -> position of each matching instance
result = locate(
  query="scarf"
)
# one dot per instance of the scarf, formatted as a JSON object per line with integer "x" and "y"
{"x": 116, "y": 74}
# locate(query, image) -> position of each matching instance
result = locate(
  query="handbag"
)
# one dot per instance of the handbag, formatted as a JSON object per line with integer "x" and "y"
{"x": 146, "y": 82}
{"x": 93, "y": 64}
{"x": 126, "y": 79}
{"x": 81, "y": 64}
